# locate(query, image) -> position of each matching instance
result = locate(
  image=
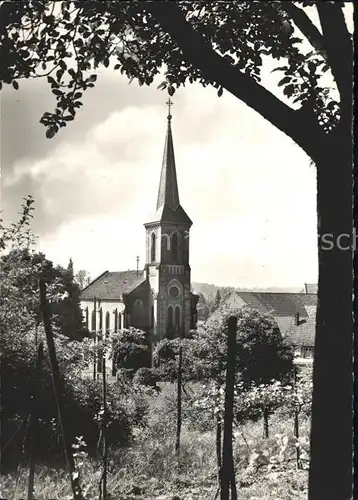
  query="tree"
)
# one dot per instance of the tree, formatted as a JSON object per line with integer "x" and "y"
{"x": 225, "y": 45}
{"x": 82, "y": 278}
{"x": 217, "y": 300}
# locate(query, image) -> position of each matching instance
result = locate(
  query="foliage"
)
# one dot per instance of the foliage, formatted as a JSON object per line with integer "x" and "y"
{"x": 64, "y": 43}
{"x": 147, "y": 377}
{"x": 130, "y": 349}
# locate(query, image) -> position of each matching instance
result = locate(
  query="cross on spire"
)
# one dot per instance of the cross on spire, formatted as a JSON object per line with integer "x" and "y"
{"x": 169, "y": 103}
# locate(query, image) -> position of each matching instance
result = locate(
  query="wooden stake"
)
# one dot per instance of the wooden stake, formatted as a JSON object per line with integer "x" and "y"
{"x": 33, "y": 427}
{"x": 59, "y": 391}
{"x": 228, "y": 471}
{"x": 104, "y": 430}
{"x": 179, "y": 400}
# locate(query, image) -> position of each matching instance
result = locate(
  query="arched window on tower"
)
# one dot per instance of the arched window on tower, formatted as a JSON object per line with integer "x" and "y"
{"x": 177, "y": 318}
{"x": 153, "y": 243}
{"x": 174, "y": 247}
{"x": 170, "y": 322}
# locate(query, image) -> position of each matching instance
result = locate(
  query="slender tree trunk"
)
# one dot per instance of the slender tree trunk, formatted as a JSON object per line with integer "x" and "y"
{"x": 297, "y": 435}
{"x": 179, "y": 401}
{"x": 34, "y": 421}
{"x": 95, "y": 339}
{"x": 104, "y": 430}
{"x": 228, "y": 471}
{"x": 218, "y": 445}
{"x": 59, "y": 392}
{"x": 330, "y": 476}
{"x": 266, "y": 423}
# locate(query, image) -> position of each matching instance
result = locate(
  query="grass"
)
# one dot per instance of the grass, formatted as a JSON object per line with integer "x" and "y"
{"x": 150, "y": 470}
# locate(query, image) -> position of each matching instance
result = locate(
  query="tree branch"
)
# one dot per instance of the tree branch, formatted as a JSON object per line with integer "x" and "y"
{"x": 302, "y": 128}
{"x": 339, "y": 48}
{"x": 306, "y": 26}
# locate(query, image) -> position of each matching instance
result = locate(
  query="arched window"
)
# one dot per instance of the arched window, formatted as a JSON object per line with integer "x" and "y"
{"x": 107, "y": 323}
{"x": 174, "y": 246}
{"x": 177, "y": 318}
{"x": 115, "y": 314}
{"x": 170, "y": 317}
{"x": 93, "y": 321}
{"x": 152, "y": 247}
{"x": 100, "y": 321}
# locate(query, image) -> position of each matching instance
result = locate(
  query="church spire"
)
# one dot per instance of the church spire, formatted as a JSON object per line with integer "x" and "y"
{"x": 168, "y": 193}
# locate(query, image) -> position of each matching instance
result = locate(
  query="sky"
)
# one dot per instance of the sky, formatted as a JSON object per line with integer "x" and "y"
{"x": 248, "y": 188}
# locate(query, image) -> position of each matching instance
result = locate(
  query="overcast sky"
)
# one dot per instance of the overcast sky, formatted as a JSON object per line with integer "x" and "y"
{"x": 248, "y": 188}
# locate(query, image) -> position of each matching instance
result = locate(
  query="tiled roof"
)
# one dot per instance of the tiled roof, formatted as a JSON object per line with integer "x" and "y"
{"x": 277, "y": 304}
{"x": 309, "y": 299}
{"x": 282, "y": 306}
{"x": 303, "y": 334}
{"x": 112, "y": 285}
{"x": 311, "y": 287}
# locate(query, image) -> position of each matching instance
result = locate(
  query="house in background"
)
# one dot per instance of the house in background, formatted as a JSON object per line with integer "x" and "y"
{"x": 294, "y": 313}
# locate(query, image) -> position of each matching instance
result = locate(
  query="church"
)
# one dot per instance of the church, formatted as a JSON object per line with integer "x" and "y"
{"x": 157, "y": 299}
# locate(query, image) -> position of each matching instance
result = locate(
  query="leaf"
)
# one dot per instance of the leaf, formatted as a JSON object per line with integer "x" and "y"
{"x": 284, "y": 80}
{"x": 51, "y": 132}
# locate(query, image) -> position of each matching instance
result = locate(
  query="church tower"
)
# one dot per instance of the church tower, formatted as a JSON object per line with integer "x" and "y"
{"x": 167, "y": 254}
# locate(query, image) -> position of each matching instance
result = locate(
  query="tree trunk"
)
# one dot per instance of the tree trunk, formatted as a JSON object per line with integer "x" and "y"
{"x": 266, "y": 423}
{"x": 179, "y": 401}
{"x": 34, "y": 421}
{"x": 59, "y": 393}
{"x": 104, "y": 430}
{"x": 330, "y": 475}
{"x": 228, "y": 472}
{"x": 218, "y": 445}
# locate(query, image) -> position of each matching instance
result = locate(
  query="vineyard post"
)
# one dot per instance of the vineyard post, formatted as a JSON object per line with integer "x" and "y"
{"x": 34, "y": 420}
{"x": 57, "y": 382}
{"x": 228, "y": 470}
{"x": 296, "y": 421}
{"x": 95, "y": 338}
{"x": 179, "y": 400}
{"x": 104, "y": 430}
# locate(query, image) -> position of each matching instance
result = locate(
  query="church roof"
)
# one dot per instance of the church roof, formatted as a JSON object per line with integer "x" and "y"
{"x": 112, "y": 285}
{"x": 168, "y": 193}
{"x": 168, "y": 207}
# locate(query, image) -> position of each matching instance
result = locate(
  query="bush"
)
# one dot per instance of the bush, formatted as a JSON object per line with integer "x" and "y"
{"x": 147, "y": 377}
{"x": 82, "y": 401}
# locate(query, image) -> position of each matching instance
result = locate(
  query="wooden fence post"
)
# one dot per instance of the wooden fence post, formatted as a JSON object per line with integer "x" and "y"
{"x": 228, "y": 471}
{"x": 296, "y": 421}
{"x": 103, "y": 490}
{"x": 179, "y": 400}
{"x": 33, "y": 427}
{"x": 58, "y": 386}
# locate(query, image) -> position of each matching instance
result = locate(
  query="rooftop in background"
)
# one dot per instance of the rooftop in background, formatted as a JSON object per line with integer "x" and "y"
{"x": 311, "y": 288}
